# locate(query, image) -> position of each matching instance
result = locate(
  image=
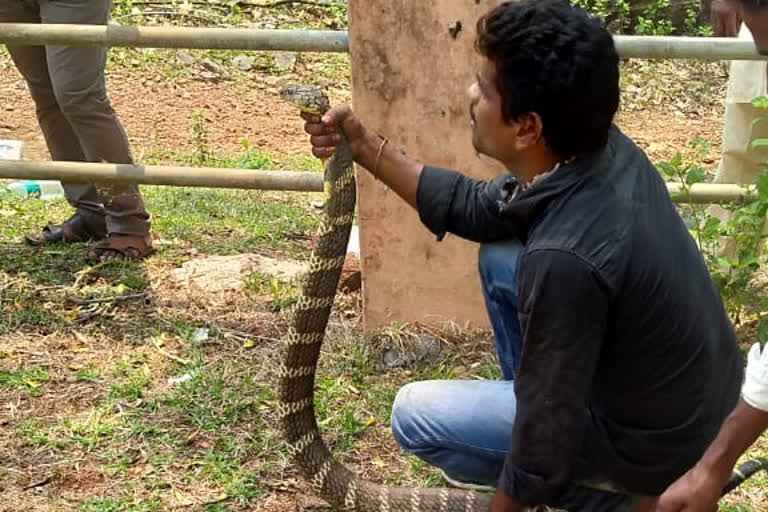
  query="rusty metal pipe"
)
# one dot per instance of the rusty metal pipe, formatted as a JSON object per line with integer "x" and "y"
{"x": 703, "y": 193}
{"x": 80, "y": 172}
{"x": 36, "y": 34}
{"x": 642, "y": 47}
{"x": 298, "y": 181}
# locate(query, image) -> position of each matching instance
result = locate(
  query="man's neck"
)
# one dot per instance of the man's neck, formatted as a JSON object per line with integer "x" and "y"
{"x": 531, "y": 167}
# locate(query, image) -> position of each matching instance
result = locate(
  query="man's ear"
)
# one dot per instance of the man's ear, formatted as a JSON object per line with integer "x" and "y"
{"x": 529, "y": 130}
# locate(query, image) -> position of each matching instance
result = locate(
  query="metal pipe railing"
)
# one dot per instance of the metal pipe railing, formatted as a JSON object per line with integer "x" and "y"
{"x": 704, "y": 193}
{"x": 643, "y": 47}
{"x": 679, "y": 47}
{"x": 80, "y": 172}
{"x": 174, "y": 37}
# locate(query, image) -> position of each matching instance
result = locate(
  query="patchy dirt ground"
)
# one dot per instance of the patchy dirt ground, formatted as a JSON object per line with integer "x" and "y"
{"x": 232, "y": 112}
{"x": 251, "y": 109}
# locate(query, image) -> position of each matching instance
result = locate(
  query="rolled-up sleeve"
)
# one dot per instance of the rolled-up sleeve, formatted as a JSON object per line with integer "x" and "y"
{"x": 449, "y": 202}
{"x": 563, "y": 315}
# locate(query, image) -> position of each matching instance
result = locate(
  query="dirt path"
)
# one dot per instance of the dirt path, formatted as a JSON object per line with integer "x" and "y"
{"x": 154, "y": 112}
{"x": 233, "y": 112}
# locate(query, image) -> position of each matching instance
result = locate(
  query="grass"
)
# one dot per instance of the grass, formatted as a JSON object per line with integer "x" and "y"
{"x": 99, "y": 405}
{"x": 27, "y": 380}
{"x": 101, "y": 392}
{"x": 128, "y": 397}
{"x": 311, "y": 67}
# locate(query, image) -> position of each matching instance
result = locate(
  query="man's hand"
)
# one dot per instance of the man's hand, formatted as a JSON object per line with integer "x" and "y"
{"x": 391, "y": 167}
{"x": 325, "y": 131}
{"x": 726, "y": 18}
{"x": 503, "y": 503}
{"x": 696, "y": 491}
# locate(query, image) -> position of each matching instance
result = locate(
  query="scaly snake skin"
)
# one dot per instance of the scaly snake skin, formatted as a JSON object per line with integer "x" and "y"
{"x": 335, "y": 483}
{"x": 330, "y": 479}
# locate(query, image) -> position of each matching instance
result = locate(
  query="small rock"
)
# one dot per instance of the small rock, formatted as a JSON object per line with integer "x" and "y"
{"x": 9, "y": 108}
{"x": 243, "y": 62}
{"x": 178, "y": 380}
{"x": 212, "y": 66}
{"x": 209, "y": 76}
{"x": 431, "y": 347}
{"x": 418, "y": 348}
{"x": 392, "y": 359}
{"x": 285, "y": 61}
{"x": 185, "y": 58}
{"x": 200, "y": 335}
{"x": 227, "y": 273}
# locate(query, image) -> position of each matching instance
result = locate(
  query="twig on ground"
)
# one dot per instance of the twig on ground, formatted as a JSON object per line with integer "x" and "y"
{"x": 278, "y": 3}
{"x": 89, "y": 315}
{"x": 220, "y": 499}
{"x": 112, "y": 298}
{"x": 243, "y": 3}
{"x": 86, "y": 271}
{"x": 41, "y": 483}
{"x": 244, "y": 335}
{"x": 167, "y": 354}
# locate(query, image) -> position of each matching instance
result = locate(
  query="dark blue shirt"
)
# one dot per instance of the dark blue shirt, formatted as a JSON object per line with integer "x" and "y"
{"x": 629, "y": 363}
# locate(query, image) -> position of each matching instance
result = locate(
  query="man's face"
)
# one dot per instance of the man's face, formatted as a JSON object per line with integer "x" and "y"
{"x": 756, "y": 20}
{"x": 490, "y": 133}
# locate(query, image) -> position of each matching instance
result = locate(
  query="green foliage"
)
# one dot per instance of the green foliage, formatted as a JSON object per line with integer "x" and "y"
{"x": 654, "y": 20}
{"x": 614, "y": 13}
{"x": 337, "y": 12}
{"x": 733, "y": 249}
{"x": 202, "y": 152}
{"x": 203, "y": 155}
{"x": 27, "y": 379}
{"x": 257, "y": 285}
{"x": 691, "y": 26}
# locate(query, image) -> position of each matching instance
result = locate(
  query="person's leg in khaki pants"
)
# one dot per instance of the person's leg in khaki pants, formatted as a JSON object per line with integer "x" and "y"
{"x": 78, "y": 122}
{"x": 740, "y": 163}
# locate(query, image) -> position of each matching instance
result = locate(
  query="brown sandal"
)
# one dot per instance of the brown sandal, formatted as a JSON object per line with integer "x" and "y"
{"x": 75, "y": 229}
{"x": 121, "y": 247}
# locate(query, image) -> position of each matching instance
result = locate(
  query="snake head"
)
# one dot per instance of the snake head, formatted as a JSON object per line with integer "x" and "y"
{"x": 308, "y": 98}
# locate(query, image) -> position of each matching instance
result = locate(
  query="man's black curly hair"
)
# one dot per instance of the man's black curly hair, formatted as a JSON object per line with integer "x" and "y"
{"x": 556, "y": 61}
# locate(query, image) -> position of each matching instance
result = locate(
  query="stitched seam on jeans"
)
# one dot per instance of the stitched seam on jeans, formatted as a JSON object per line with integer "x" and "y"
{"x": 464, "y": 445}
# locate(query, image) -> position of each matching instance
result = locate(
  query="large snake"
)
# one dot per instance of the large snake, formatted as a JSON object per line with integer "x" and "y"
{"x": 330, "y": 479}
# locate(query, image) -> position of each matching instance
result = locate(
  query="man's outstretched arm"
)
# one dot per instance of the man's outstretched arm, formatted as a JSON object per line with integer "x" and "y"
{"x": 446, "y": 200}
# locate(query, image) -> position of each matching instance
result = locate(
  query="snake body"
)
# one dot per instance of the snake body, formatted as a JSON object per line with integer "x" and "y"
{"x": 295, "y": 409}
{"x": 309, "y": 318}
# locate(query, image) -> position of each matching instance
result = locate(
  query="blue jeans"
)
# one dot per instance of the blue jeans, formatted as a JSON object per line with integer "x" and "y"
{"x": 464, "y": 426}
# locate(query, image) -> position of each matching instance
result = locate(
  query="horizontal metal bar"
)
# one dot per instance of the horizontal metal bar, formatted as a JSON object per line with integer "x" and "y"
{"x": 703, "y": 193}
{"x": 36, "y": 34}
{"x": 645, "y": 47}
{"x": 677, "y": 47}
{"x": 80, "y": 172}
